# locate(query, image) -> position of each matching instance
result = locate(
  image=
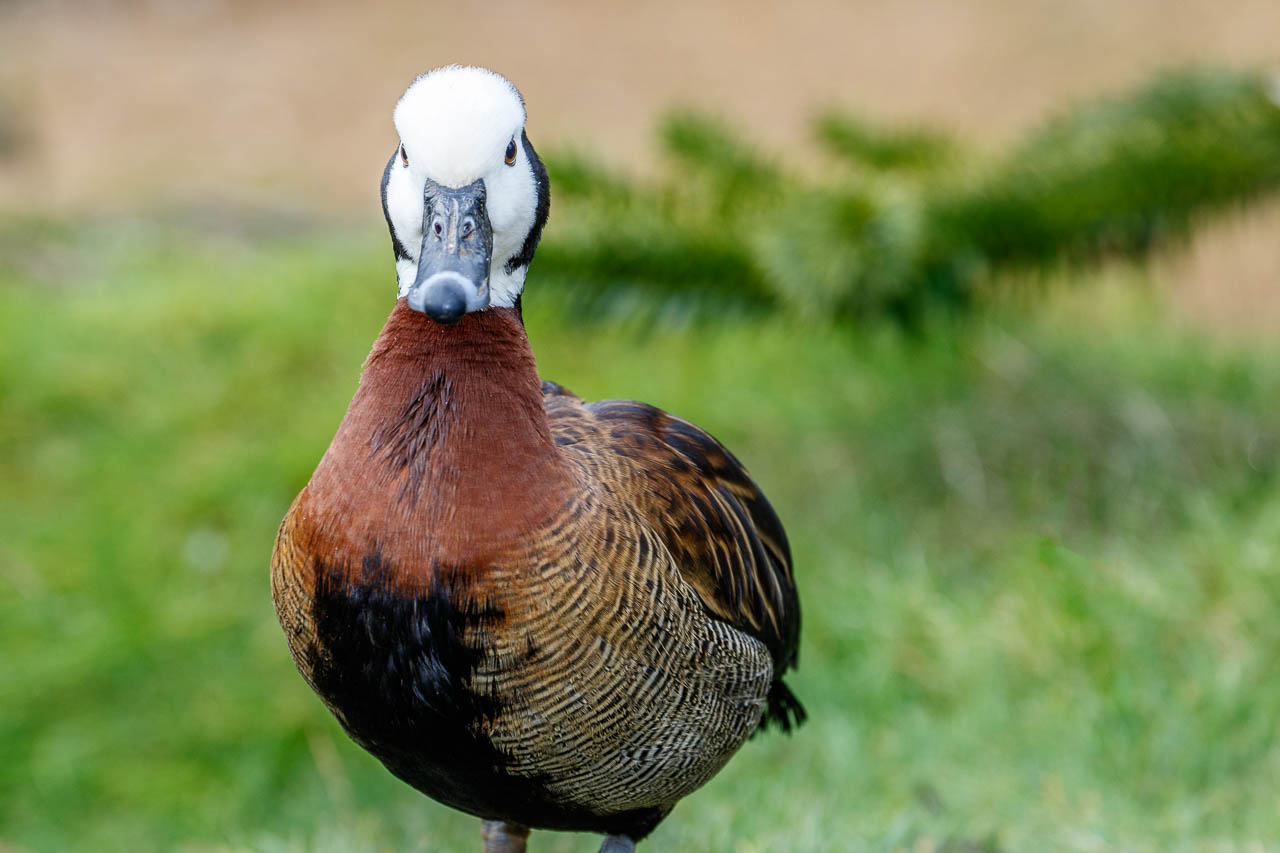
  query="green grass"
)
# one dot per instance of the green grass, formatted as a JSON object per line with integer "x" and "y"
{"x": 1039, "y": 554}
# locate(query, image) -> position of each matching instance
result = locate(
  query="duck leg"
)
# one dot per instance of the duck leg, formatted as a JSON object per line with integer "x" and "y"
{"x": 617, "y": 844}
{"x": 502, "y": 837}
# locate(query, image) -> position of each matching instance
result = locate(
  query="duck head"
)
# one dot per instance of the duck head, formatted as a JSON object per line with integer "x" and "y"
{"x": 464, "y": 193}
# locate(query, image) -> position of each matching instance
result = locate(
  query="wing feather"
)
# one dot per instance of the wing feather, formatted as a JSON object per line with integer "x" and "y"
{"x": 726, "y": 538}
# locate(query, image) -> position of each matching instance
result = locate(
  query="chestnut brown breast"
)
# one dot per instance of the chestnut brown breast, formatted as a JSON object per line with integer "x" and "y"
{"x": 557, "y": 614}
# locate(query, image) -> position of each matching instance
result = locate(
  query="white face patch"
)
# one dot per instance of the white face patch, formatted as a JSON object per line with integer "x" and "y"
{"x": 455, "y": 126}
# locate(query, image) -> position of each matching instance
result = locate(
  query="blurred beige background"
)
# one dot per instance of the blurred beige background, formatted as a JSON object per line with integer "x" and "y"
{"x": 121, "y": 105}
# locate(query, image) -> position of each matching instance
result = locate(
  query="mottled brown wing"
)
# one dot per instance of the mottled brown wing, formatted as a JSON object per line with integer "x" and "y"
{"x": 727, "y": 541}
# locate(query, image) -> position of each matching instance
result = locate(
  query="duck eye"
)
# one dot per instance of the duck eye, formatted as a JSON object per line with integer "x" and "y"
{"x": 511, "y": 153}
{"x": 404, "y": 157}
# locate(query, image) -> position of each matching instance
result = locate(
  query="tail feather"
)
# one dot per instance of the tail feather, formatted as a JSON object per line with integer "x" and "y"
{"x": 782, "y": 709}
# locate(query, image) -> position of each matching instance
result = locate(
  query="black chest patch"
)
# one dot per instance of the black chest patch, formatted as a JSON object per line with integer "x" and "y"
{"x": 398, "y": 671}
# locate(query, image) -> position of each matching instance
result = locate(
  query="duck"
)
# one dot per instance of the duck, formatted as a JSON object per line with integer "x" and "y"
{"x": 547, "y": 613}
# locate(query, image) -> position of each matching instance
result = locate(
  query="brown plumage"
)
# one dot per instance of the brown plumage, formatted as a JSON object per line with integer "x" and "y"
{"x": 544, "y": 612}
{"x": 538, "y": 611}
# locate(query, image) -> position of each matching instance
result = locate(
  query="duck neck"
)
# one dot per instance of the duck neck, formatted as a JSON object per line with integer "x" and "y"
{"x": 445, "y": 446}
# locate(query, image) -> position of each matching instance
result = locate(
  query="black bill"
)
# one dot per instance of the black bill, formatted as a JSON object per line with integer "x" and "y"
{"x": 453, "y": 264}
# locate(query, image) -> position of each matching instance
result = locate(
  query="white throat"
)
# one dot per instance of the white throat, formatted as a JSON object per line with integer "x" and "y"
{"x": 504, "y": 287}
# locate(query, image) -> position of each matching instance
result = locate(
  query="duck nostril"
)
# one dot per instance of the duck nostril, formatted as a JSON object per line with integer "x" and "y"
{"x": 467, "y": 228}
{"x": 437, "y": 227}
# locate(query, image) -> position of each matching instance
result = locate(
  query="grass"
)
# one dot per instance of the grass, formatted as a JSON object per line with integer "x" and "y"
{"x": 1038, "y": 554}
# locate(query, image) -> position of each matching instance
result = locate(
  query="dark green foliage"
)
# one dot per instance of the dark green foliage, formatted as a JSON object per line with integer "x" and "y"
{"x": 578, "y": 177}
{"x": 1121, "y": 175}
{"x": 624, "y": 248}
{"x": 909, "y": 149}
{"x": 901, "y": 223}
{"x": 731, "y": 175}
{"x": 687, "y": 275}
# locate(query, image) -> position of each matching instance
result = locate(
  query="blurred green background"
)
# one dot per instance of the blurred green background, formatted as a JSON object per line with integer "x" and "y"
{"x": 983, "y": 294}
